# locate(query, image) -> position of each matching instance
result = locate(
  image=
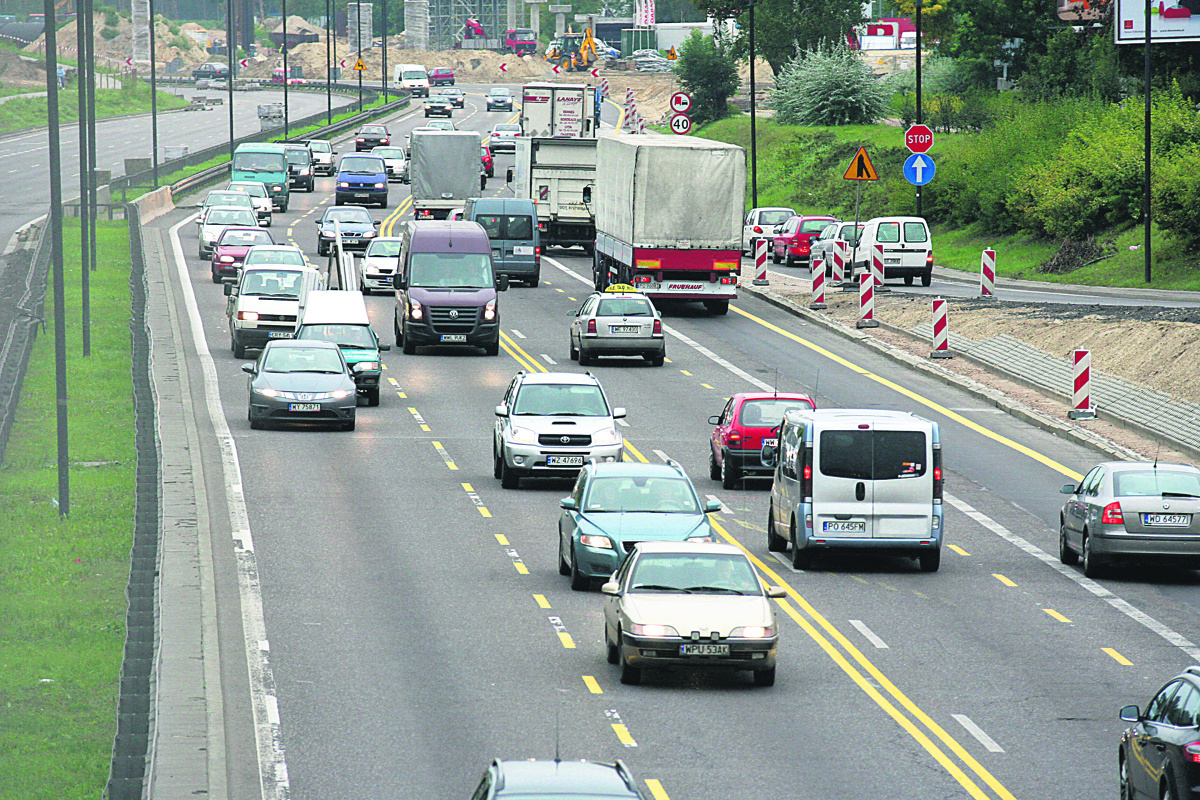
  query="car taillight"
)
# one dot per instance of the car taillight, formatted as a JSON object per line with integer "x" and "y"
{"x": 728, "y": 280}
{"x": 1112, "y": 515}
{"x": 641, "y": 278}
{"x": 1193, "y": 752}
{"x": 929, "y": 259}
{"x": 735, "y": 440}
{"x": 658, "y": 326}
{"x": 937, "y": 475}
{"x": 806, "y": 473}
{"x": 537, "y": 251}
{"x": 591, "y": 326}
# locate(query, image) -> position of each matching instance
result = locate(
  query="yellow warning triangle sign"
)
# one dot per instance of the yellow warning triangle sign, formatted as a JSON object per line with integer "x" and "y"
{"x": 672, "y": 55}
{"x": 360, "y": 66}
{"x": 861, "y": 168}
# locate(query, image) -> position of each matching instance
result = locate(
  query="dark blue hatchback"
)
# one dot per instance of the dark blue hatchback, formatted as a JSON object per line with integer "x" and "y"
{"x": 1160, "y": 753}
{"x": 361, "y": 180}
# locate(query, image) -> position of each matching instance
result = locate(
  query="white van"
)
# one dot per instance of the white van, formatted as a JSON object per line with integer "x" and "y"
{"x": 856, "y": 479}
{"x": 341, "y": 317}
{"x": 265, "y": 302}
{"x": 907, "y": 248}
{"x": 414, "y": 78}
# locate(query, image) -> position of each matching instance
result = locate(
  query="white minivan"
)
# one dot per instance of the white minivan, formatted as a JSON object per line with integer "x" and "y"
{"x": 904, "y": 245}
{"x": 856, "y": 479}
{"x": 414, "y": 78}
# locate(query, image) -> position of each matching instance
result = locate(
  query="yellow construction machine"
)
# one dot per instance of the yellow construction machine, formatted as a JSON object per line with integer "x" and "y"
{"x": 573, "y": 51}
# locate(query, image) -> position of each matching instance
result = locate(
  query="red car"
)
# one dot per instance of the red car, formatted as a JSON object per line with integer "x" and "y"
{"x": 485, "y": 156}
{"x": 231, "y": 247}
{"x": 748, "y": 419}
{"x": 790, "y": 245}
{"x": 441, "y": 76}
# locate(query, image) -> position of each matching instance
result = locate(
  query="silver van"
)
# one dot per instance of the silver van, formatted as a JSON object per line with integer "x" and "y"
{"x": 856, "y": 479}
{"x": 512, "y": 227}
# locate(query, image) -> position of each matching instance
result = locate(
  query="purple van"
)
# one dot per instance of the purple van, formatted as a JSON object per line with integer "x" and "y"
{"x": 446, "y": 287}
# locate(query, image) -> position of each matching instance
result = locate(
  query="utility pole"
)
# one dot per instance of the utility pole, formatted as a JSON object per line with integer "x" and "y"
{"x": 154, "y": 101}
{"x": 328, "y": 62}
{"x": 286, "y": 76}
{"x": 85, "y": 225}
{"x": 358, "y": 35}
{"x": 56, "y": 254}
{"x": 1146, "y": 148}
{"x": 753, "y": 127}
{"x": 385, "y": 77}
{"x": 90, "y": 41}
{"x": 229, "y": 55}
{"x": 918, "y": 22}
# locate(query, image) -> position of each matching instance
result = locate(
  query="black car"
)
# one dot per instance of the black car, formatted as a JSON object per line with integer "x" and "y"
{"x": 301, "y": 170}
{"x": 358, "y": 229}
{"x": 440, "y": 105}
{"x": 1160, "y": 753}
{"x": 371, "y": 136}
{"x": 499, "y": 99}
{"x": 457, "y": 98}
{"x": 213, "y": 69}
{"x": 557, "y": 780}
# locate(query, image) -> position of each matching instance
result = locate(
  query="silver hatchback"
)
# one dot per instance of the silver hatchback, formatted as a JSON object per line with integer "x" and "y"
{"x": 617, "y": 322}
{"x": 1132, "y": 510}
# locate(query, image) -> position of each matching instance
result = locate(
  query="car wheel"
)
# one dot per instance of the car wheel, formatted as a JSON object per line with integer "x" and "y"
{"x": 215, "y": 277}
{"x": 1065, "y": 554}
{"x": 573, "y": 351}
{"x": 927, "y": 278}
{"x": 348, "y": 425}
{"x": 801, "y": 558}
{"x": 908, "y": 280}
{"x": 492, "y": 348}
{"x": 717, "y": 308}
{"x": 1168, "y": 789}
{"x": 1093, "y": 567}
{"x": 384, "y": 204}
{"x": 255, "y": 423}
{"x": 495, "y": 461}
{"x": 630, "y": 676}
{"x": 396, "y": 330}
{"x": 373, "y": 396}
{"x": 509, "y": 477}
{"x": 563, "y": 567}
{"x": 408, "y": 347}
{"x": 532, "y": 283}
{"x": 584, "y": 359}
{"x": 656, "y": 359}
{"x": 579, "y": 581}
{"x": 930, "y": 561}
{"x": 731, "y": 474}
{"x": 714, "y": 469}
{"x": 321, "y": 250}
{"x": 774, "y": 257}
{"x": 613, "y": 654}
{"x": 764, "y": 677}
{"x": 239, "y": 349}
{"x": 775, "y": 542}
{"x": 1126, "y": 791}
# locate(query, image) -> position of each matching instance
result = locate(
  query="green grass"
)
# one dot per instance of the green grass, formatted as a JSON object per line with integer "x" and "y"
{"x": 30, "y": 112}
{"x": 63, "y": 580}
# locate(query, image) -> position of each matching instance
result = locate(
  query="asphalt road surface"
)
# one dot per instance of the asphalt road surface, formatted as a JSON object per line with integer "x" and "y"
{"x": 418, "y": 626}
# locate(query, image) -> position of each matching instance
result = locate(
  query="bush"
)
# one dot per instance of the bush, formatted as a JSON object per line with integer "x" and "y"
{"x": 1176, "y": 196}
{"x": 828, "y": 86}
{"x": 709, "y": 76}
{"x": 110, "y": 18}
{"x": 108, "y": 33}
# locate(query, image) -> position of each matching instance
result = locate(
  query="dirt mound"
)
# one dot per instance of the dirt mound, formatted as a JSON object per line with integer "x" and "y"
{"x": 167, "y": 45}
{"x": 297, "y": 25}
{"x": 16, "y": 71}
{"x": 470, "y": 66}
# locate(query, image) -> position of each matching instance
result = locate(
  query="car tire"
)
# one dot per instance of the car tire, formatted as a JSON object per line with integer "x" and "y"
{"x": 714, "y": 469}
{"x": 775, "y": 542}
{"x": 613, "y": 651}
{"x": 801, "y": 558}
{"x": 532, "y": 283}
{"x": 239, "y": 349}
{"x": 492, "y": 348}
{"x": 930, "y": 560}
{"x": 373, "y": 396}
{"x": 584, "y": 359}
{"x": 908, "y": 280}
{"x": 384, "y": 204}
{"x": 1065, "y": 554}
{"x": 496, "y": 473}
{"x": 927, "y": 278}
{"x": 408, "y": 347}
{"x": 255, "y": 423}
{"x": 764, "y": 677}
{"x": 321, "y": 251}
{"x": 1123, "y": 787}
{"x": 396, "y": 331}
{"x": 774, "y": 257}
{"x": 215, "y": 277}
{"x": 717, "y": 308}
{"x": 1093, "y": 566}
{"x": 1168, "y": 789}
{"x": 509, "y": 477}
{"x": 579, "y": 581}
{"x": 564, "y": 568}
{"x": 656, "y": 359}
{"x": 573, "y": 351}
{"x": 630, "y": 676}
{"x": 731, "y": 474}
{"x": 348, "y": 425}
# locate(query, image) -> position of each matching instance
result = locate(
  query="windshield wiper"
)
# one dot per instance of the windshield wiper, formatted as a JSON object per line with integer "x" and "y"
{"x": 284, "y": 296}
{"x": 654, "y": 587}
{"x": 319, "y": 371}
{"x": 1184, "y": 495}
{"x": 714, "y": 589}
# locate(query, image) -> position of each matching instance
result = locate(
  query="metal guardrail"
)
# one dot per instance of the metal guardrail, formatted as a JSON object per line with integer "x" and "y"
{"x": 22, "y": 305}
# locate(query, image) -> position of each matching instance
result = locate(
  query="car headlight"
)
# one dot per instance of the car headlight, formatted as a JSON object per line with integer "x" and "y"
{"x": 276, "y": 188}
{"x": 381, "y": 186}
{"x": 305, "y": 171}
{"x": 752, "y": 632}
{"x": 226, "y": 259}
{"x": 248, "y": 316}
{"x": 652, "y": 630}
{"x": 267, "y": 392}
{"x": 339, "y": 394}
{"x": 524, "y": 436}
{"x": 609, "y": 436}
{"x": 368, "y": 234}
{"x": 414, "y": 309}
{"x": 489, "y": 311}
{"x": 343, "y": 185}
{"x": 593, "y": 540}
{"x": 368, "y": 365}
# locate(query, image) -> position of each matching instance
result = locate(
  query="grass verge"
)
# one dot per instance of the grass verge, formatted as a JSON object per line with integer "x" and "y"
{"x": 63, "y": 599}
{"x": 30, "y": 112}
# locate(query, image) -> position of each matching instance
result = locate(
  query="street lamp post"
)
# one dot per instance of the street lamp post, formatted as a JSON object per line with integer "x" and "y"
{"x": 154, "y": 102}
{"x": 229, "y": 55}
{"x": 328, "y": 62}
{"x": 85, "y": 227}
{"x": 286, "y": 76}
{"x": 753, "y": 124}
{"x": 56, "y": 254}
{"x": 358, "y": 49}
{"x": 1146, "y": 156}
{"x": 919, "y": 15}
{"x": 384, "y": 77}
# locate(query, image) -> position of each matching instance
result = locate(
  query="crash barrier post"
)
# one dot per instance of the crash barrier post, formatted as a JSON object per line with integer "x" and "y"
{"x": 818, "y": 283}
{"x": 866, "y": 301}
{"x": 760, "y": 262}
{"x": 987, "y": 273}
{"x": 877, "y": 268}
{"x": 941, "y": 330}
{"x": 839, "y": 262}
{"x": 1081, "y": 400}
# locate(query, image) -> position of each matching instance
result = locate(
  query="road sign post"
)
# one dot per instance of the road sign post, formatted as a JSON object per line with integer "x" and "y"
{"x": 918, "y": 138}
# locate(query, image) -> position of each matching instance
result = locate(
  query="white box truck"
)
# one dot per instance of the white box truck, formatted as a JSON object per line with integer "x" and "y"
{"x": 669, "y": 216}
{"x": 556, "y": 175}
{"x": 557, "y": 109}
{"x": 444, "y": 170}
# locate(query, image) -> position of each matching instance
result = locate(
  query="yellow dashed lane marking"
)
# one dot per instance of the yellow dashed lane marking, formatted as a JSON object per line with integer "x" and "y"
{"x": 1120, "y": 659}
{"x": 1002, "y": 579}
{"x": 623, "y": 734}
{"x": 523, "y": 570}
{"x": 566, "y": 640}
{"x": 959, "y": 550}
{"x": 592, "y": 685}
{"x": 541, "y": 601}
{"x": 685, "y": 372}
{"x": 502, "y": 539}
{"x": 1056, "y": 615}
{"x": 656, "y": 789}
{"x": 445, "y": 456}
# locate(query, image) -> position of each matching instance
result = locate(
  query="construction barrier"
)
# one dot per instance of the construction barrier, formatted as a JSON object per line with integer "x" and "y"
{"x": 604, "y": 88}
{"x": 818, "y": 284}
{"x": 866, "y": 301}
{"x": 941, "y": 330}
{"x": 760, "y": 262}
{"x": 987, "y": 273}
{"x": 1081, "y": 399}
{"x": 839, "y": 262}
{"x": 877, "y": 268}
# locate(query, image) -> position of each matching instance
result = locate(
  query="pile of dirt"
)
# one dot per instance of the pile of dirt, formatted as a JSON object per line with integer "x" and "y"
{"x": 470, "y": 66}
{"x": 167, "y": 45}
{"x": 19, "y": 72}
{"x": 297, "y": 25}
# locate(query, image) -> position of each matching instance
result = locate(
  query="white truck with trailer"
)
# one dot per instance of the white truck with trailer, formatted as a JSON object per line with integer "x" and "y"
{"x": 558, "y": 175}
{"x": 443, "y": 171}
{"x": 669, "y": 216}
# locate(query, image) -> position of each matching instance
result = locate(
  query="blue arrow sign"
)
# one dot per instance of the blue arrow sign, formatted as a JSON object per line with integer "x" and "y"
{"x": 919, "y": 169}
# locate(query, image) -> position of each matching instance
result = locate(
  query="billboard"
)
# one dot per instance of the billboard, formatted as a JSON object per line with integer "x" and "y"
{"x": 1170, "y": 21}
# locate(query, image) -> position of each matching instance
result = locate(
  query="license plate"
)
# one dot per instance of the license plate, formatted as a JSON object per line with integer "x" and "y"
{"x": 624, "y": 328}
{"x": 844, "y": 527}
{"x": 280, "y": 335}
{"x": 564, "y": 461}
{"x": 361, "y": 194}
{"x": 454, "y": 337}
{"x": 522, "y": 250}
{"x": 703, "y": 649}
{"x": 304, "y": 406}
{"x": 771, "y": 442}
{"x": 891, "y": 262}
{"x": 1167, "y": 520}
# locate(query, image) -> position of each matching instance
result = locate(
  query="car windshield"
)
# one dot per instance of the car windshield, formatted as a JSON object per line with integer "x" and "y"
{"x": 258, "y": 162}
{"x": 1155, "y": 482}
{"x": 341, "y": 335}
{"x": 451, "y": 270}
{"x": 624, "y": 307}
{"x": 384, "y": 248}
{"x": 813, "y": 225}
{"x": 297, "y": 155}
{"x": 251, "y": 189}
{"x": 641, "y": 494}
{"x": 690, "y": 573}
{"x": 238, "y": 198}
{"x": 272, "y": 283}
{"x": 302, "y": 359}
{"x": 319, "y": 146}
{"x": 413, "y": 75}
{"x": 774, "y": 217}
{"x": 285, "y": 256}
{"x": 242, "y": 238}
{"x": 362, "y": 166}
{"x": 229, "y": 216}
{"x": 560, "y": 400}
{"x": 500, "y": 93}
{"x": 768, "y": 413}
{"x": 507, "y": 226}
{"x": 348, "y": 215}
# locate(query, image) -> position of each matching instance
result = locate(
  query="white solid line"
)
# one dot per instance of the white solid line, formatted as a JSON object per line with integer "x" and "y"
{"x": 518, "y": 334}
{"x": 783, "y": 560}
{"x": 977, "y": 732}
{"x": 869, "y": 634}
{"x": 272, "y": 709}
{"x": 661, "y": 455}
{"x": 272, "y": 766}
{"x": 1120, "y": 604}
{"x": 548, "y": 359}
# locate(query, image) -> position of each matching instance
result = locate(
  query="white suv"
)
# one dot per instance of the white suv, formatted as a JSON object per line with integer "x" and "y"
{"x": 553, "y": 423}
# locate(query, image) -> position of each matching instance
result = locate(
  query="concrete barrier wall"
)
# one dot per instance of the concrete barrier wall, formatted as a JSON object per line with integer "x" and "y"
{"x": 155, "y": 204}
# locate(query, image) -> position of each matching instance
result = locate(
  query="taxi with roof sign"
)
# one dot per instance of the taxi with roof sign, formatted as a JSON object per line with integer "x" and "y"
{"x": 620, "y": 321}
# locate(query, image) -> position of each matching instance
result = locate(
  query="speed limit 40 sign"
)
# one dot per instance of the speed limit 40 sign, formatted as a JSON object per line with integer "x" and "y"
{"x": 681, "y": 102}
{"x": 681, "y": 123}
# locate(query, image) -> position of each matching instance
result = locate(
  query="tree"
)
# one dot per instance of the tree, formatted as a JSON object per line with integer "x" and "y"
{"x": 830, "y": 85}
{"x": 708, "y": 75}
{"x": 783, "y": 28}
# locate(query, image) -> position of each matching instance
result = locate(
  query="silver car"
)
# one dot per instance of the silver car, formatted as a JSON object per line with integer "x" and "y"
{"x": 394, "y": 161}
{"x": 217, "y": 219}
{"x": 683, "y": 604}
{"x": 322, "y": 155}
{"x": 503, "y": 137}
{"x": 301, "y": 381}
{"x": 379, "y": 264}
{"x": 617, "y": 323}
{"x": 823, "y": 246}
{"x": 1132, "y": 511}
{"x": 263, "y": 207}
{"x": 224, "y": 197}
{"x": 551, "y": 424}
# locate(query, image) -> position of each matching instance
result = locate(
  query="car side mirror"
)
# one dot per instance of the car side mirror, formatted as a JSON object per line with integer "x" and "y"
{"x": 228, "y": 289}
{"x": 712, "y": 505}
{"x": 249, "y": 369}
{"x": 568, "y": 503}
{"x": 715, "y": 419}
{"x": 383, "y": 348}
{"x": 1067, "y": 488}
{"x": 501, "y": 410}
{"x": 1130, "y": 714}
{"x": 768, "y": 455}
{"x": 587, "y": 195}
{"x": 611, "y": 588}
{"x": 482, "y": 181}
{"x": 398, "y": 282}
{"x": 618, "y": 413}
{"x": 377, "y": 223}
{"x": 317, "y": 222}
{"x": 776, "y": 592}
{"x": 502, "y": 283}
{"x": 508, "y": 178}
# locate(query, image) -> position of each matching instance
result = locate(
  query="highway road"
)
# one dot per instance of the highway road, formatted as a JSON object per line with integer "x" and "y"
{"x": 416, "y": 625}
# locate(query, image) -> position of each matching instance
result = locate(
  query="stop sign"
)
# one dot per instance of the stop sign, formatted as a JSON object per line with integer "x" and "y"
{"x": 918, "y": 138}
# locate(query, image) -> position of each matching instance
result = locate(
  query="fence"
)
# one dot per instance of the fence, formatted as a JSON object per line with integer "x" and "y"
{"x": 23, "y": 279}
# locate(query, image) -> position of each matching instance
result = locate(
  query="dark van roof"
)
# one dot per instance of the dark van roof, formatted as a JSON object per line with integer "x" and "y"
{"x": 502, "y": 205}
{"x": 441, "y": 236}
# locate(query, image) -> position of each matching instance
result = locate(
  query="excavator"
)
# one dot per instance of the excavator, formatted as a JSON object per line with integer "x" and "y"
{"x": 573, "y": 51}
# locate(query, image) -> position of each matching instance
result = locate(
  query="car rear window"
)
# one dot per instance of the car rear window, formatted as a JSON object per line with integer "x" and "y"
{"x": 774, "y": 217}
{"x": 238, "y": 238}
{"x": 233, "y": 216}
{"x": 915, "y": 232}
{"x": 624, "y": 307}
{"x": 769, "y": 412}
{"x": 813, "y": 225}
{"x": 1153, "y": 482}
{"x": 507, "y": 226}
{"x": 872, "y": 455}
{"x": 888, "y": 232}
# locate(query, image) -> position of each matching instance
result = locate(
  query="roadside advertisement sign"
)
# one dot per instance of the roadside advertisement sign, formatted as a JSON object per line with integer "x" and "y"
{"x": 1170, "y": 21}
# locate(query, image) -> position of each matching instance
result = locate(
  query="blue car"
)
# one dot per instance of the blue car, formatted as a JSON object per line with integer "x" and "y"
{"x": 617, "y": 504}
{"x": 361, "y": 180}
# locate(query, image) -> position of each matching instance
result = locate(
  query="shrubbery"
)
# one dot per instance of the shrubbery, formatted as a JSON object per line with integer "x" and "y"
{"x": 828, "y": 86}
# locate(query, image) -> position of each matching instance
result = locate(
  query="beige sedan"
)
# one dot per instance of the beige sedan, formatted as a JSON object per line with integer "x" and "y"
{"x": 679, "y": 604}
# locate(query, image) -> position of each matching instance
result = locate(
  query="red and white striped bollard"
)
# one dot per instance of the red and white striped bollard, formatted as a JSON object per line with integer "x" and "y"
{"x": 1081, "y": 398}
{"x": 877, "y": 268}
{"x": 866, "y": 301}
{"x": 941, "y": 330}
{"x": 818, "y": 284}
{"x": 760, "y": 262}
{"x": 987, "y": 273}
{"x": 839, "y": 262}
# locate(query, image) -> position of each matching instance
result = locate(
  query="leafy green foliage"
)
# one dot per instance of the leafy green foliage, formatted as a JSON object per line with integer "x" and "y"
{"x": 830, "y": 85}
{"x": 784, "y": 27}
{"x": 708, "y": 75}
{"x": 108, "y": 33}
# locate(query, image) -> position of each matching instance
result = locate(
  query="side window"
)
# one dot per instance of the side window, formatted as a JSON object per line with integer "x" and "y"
{"x": 829, "y": 232}
{"x": 750, "y": 218}
{"x": 1090, "y": 482}
{"x": 788, "y": 450}
{"x": 484, "y": 789}
{"x": 1177, "y": 711}
{"x": 580, "y": 484}
{"x": 1157, "y": 710}
{"x": 1190, "y": 709}
{"x": 510, "y": 397}
{"x": 888, "y": 232}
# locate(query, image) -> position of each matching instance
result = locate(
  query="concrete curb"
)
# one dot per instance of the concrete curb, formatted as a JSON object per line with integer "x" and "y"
{"x": 987, "y": 394}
